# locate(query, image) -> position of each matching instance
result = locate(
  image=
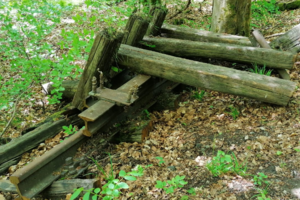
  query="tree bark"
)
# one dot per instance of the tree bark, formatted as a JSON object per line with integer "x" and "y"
{"x": 185, "y": 33}
{"x": 231, "y": 16}
{"x": 105, "y": 46}
{"x": 212, "y": 77}
{"x": 290, "y": 41}
{"x": 235, "y": 53}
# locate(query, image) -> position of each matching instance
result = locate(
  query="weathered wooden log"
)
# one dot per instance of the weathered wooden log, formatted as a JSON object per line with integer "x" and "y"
{"x": 100, "y": 58}
{"x": 263, "y": 43}
{"x": 290, "y": 41}
{"x": 212, "y": 77}
{"x": 135, "y": 29}
{"x": 288, "y": 5}
{"x": 235, "y": 53}
{"x": 70, "y": 89}
{"x": 184, "y": 33}
{"x": 158, "y": 15}
{"x": 231, "y": 16}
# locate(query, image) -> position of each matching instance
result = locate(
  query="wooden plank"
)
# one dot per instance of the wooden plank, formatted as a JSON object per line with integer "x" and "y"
{"x": 185, "y": 33}
{"x": 236, "y": 53}
{"x": 203, "y": 75}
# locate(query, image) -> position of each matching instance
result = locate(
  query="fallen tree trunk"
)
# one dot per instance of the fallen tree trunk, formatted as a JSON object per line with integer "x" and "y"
{"x": 184, "y": 33}
{"x": 290, "y": 41}
{"x": 288, "y": 5}
{"x": 260, "y": 87}
{"x": 183, "y": 48}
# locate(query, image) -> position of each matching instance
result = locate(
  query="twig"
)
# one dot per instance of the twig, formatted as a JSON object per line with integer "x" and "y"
{"x": 14, "y": 112}
{"x": 274, "y": 35}
{"x": 180, "y": 11}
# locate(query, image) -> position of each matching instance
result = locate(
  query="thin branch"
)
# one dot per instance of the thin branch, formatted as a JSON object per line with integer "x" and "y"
{"x": 14, "y": 112}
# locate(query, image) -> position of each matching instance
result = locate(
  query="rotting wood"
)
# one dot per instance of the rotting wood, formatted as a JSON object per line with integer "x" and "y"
{"x": 158, "y": 15}
{"x": 39, "y": 174}
{"x": 288, "y": 4}
{"x": 185, "y": 33}
{"x": 104, "y": 48}
{"x": 263, "y": 43}
{"x": 18, "y": 146}
{"x": 212, "y": 77}
{"x": 235, "y": 53}
{"x": 290, "y": 41}
{"x": 135, "y": 29}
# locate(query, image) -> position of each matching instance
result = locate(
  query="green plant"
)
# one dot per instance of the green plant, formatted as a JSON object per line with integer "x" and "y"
{"x": 198, "y": 95}
{"x": 262, "y": 194}
{"x": 298, "y": 150}
{"x": 171, "y": 185}
{"x": 279, "y": 153}
{"x": 69, "y": 129}
{"x": 234, "y": 112}
{"x": 147, "y": 113}
{"x": 110, "y": 190}
{"x": 260, "y": 178}
{"x": 262, "y": 12}
{"x": 261, "y": 71}
{"x": 161, "y": 161}
{"x": 223, "y": 163}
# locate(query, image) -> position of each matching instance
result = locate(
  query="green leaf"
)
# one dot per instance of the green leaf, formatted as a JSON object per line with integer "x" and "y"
{"x": 130, "y": 178}
{"x": 76, "y": 193}
{"x": 86, "y": 196}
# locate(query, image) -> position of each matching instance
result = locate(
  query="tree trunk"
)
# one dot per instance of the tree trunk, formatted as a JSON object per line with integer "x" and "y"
{"x": 235, "y": 53}
{"x": 231, "y": 16}
{"x": 212, "y": 77}
{"x": 185, "y": 33}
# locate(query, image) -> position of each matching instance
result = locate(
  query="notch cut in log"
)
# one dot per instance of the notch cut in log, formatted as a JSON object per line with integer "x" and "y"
{"x": 184, "y": 33}
{"x": 203, "y": 75}
{"x": 235, "y": 53}
{"x": 264, "y": 44}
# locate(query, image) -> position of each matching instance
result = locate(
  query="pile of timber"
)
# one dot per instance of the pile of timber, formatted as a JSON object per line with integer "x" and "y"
{"x": 171, "y": 68}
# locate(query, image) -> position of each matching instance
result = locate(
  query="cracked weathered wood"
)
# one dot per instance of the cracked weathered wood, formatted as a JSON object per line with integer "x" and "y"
{"x": 101, "y": 56}
{"x": 203, "y": 75}
{"x": 290, "y": 41}
{"x": 235, "y": 53}
{"x": 264, "y": 44}
{"x": 185, "y": 33}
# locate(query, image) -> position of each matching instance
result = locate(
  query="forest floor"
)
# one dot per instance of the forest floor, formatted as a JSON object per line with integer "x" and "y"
{"x": 265, "y": 139}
